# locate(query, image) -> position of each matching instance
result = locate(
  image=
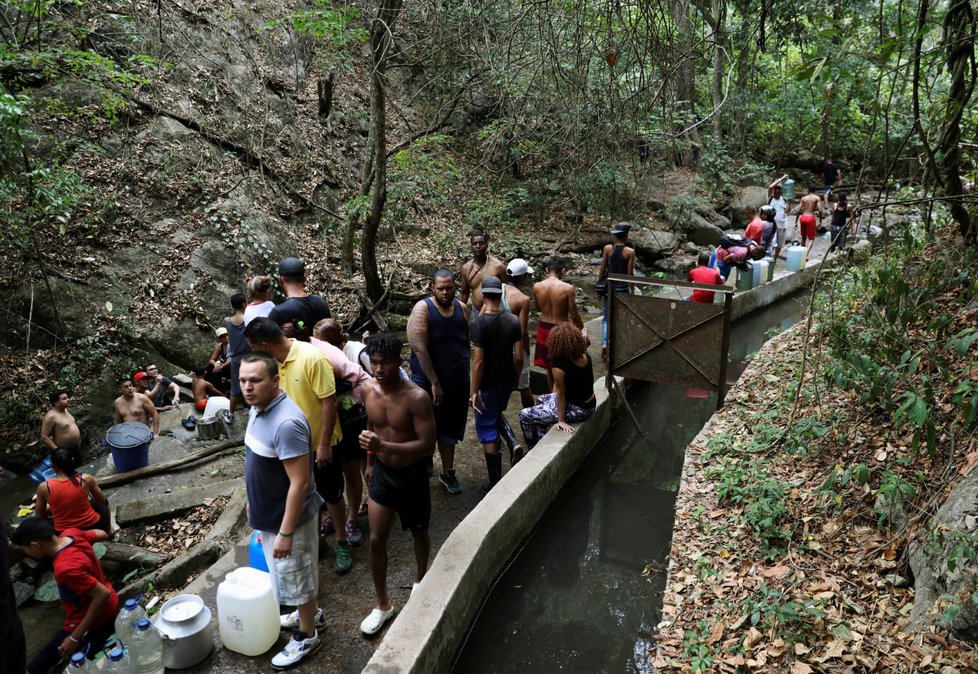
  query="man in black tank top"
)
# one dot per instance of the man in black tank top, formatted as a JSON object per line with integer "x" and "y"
{"x": 438, "y": 332}
{"x": 616, "y": 258}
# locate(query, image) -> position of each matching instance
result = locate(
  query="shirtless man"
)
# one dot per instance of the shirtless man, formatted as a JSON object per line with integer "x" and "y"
{"x": 479, "y": 267}
{"x": 400, "y": 436}
{"x": 557, "y": 302}
{"x": 132, "y": 406}
{"x": 58, "y": 428}
{"x": 810, "y": 205}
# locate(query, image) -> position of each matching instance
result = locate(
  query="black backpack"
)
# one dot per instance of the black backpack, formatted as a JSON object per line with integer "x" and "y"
{"x": 728, "y": 241}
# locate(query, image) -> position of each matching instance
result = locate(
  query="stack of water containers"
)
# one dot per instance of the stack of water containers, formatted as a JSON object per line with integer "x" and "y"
{"x": 141, "y": 650}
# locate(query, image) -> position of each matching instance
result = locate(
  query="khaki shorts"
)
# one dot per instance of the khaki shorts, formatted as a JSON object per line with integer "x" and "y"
{"x": 524, "y": 382}
{"x": 295, "y": 579}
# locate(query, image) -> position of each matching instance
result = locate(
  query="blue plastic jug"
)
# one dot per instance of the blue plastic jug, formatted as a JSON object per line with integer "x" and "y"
{"x": 256, "y": 555}
{"x": 796, "y": 258}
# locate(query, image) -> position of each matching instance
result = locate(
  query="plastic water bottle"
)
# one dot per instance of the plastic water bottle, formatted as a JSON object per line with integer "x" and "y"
{"x": 78, "y": 664}
{"x": 146, "y": 649}
{"x": 125, "y": 623}
{"x": 118, "y": 663}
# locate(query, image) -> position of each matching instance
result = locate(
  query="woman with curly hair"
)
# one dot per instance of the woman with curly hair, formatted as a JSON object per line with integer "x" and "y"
{"x": 573, "y": 397}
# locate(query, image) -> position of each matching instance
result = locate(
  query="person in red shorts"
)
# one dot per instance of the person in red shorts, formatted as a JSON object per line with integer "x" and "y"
{"x": 202, "y": 388}
{"x": 705, "y": 274}
{"x": 810, "y": 205}
{"x": 88, "y": 599}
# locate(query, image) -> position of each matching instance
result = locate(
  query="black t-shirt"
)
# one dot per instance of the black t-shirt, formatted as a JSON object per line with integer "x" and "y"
{"x": 297, "y": 316}
{"x": 578, "y": 379}
{"x": 830, "y": 172}
{"x": 158, "y": 400}
{"x": 497, "y": 335}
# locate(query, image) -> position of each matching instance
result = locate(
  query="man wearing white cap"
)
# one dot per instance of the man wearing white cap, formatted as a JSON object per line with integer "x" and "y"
{"x": 616, "y": 258}
{"x": 515, "y": 301}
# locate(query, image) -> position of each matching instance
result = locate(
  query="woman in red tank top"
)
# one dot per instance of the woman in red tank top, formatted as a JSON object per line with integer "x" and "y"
{"x": 72, "y": 500}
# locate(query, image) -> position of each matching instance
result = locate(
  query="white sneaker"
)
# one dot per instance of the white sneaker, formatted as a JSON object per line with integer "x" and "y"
{"x": 290, "y": 621}
{"x": 296, "y": 650}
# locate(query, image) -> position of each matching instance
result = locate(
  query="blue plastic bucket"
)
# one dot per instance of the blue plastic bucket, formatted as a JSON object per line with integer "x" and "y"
{"x": 256, "y": 555}
{"x": 129, "y": 444}
{"x": 43, "y": 471}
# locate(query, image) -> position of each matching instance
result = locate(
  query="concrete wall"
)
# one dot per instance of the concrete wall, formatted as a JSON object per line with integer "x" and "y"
{"x": 427, "y": 633}
{"x": 751, "y": 300}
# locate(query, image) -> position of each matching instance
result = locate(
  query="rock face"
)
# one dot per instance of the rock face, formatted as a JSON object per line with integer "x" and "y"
{"x": 748, "y": 196}
{"x": 701, "y": 231}
{"x": 653, "y": 244}
{"x": 945, "y": 571}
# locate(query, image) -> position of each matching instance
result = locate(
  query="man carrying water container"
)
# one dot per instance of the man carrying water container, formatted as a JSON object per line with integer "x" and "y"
{"x": 283, "y": 502}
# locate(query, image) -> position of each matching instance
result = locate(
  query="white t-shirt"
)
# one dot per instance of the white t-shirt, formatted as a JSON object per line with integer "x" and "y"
{"x": 353, "y": 351}
{"x": 780, "y": 211}
{"x": 256, "y": 310}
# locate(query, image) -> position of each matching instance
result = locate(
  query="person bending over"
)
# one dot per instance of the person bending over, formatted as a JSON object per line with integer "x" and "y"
{"x": 89, "y": 601}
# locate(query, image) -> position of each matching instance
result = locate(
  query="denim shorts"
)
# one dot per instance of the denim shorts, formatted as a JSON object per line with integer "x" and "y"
{"x": 487, "y": 421}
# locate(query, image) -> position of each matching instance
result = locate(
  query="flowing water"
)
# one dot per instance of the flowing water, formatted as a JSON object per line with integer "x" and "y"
{"x": 584, "y": 594}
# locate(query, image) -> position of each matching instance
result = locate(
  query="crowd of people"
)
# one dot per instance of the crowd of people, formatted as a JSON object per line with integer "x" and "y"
{"x": 331, "y": 417}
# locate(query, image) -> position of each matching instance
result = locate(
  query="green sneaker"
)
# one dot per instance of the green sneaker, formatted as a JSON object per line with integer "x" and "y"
{"x": 344, "y": 562}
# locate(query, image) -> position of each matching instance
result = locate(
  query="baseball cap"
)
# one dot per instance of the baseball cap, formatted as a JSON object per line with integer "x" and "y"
{"x": 621, "y": 228}
{"x": 518, "y": 267}
{"x": 492, "y": 286}
{"x": 292, "y": 267}
{"x": 220, "y": 332}
{"x": 139, "y": 376}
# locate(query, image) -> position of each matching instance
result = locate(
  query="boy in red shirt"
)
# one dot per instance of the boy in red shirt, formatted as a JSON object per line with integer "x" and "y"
{"x": 705, "y": 274}
{"x": 89, "y": 601}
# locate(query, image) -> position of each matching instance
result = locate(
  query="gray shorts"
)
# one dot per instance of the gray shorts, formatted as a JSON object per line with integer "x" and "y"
{"x": 295, "y": 579}
{"x": 782, "y": 236}
{"x": 525, "y": 373}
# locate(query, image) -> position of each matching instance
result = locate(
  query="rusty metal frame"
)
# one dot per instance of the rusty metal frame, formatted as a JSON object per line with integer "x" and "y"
{"x": 723, "y": 313}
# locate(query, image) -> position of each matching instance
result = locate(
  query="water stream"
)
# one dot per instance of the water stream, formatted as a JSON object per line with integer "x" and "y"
{"x": 584, "y": 594}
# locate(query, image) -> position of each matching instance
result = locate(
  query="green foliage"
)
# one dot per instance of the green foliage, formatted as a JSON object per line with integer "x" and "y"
{"x": 337, "y": 27}
{"x": 773, "y": 609}
{"x": 420, "y": 178}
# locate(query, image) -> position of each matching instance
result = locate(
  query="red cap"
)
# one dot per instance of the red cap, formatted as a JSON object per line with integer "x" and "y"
{"x": 139, "y": 376}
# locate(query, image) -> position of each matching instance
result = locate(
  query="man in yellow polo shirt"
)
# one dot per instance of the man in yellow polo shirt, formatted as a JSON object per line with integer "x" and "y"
{"x": 306, "y": 376}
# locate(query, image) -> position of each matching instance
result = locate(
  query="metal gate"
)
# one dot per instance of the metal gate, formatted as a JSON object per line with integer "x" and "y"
{"x": 669, "y": 341}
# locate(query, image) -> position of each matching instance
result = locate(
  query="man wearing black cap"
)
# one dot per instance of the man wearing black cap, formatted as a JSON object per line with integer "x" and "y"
{"x": 300, "y": 312}
{"x": 497, "y": 360}
{"x": 616, "y": 258}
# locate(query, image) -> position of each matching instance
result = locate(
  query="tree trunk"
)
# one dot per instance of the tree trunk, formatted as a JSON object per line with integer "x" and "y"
{"x": 324, "y": 92}
{"x": 381, "y": 33}
{"x": 959, "y": 41}
{"x": 719, "y": 37}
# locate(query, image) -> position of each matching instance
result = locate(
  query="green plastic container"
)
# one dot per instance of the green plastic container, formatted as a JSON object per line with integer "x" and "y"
{"x": 745, "y": 279}
{"x": 770, "y": 268}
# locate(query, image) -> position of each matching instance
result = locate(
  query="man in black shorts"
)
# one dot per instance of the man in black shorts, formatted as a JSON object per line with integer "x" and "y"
{"x": 438, "y": 332}
{"x": 400, "y": 436}
{"x": 299, "y": 313}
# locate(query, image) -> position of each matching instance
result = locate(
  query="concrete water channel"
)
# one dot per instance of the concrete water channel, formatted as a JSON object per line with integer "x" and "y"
{"x": 584, "y": 593}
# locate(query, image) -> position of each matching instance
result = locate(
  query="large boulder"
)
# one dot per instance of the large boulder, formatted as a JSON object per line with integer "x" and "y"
{"x": 944, "y": 566}
{"x": 746, "y": 196}
{"x": 701, "y": 231}
{"x": 654, "y": 244}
